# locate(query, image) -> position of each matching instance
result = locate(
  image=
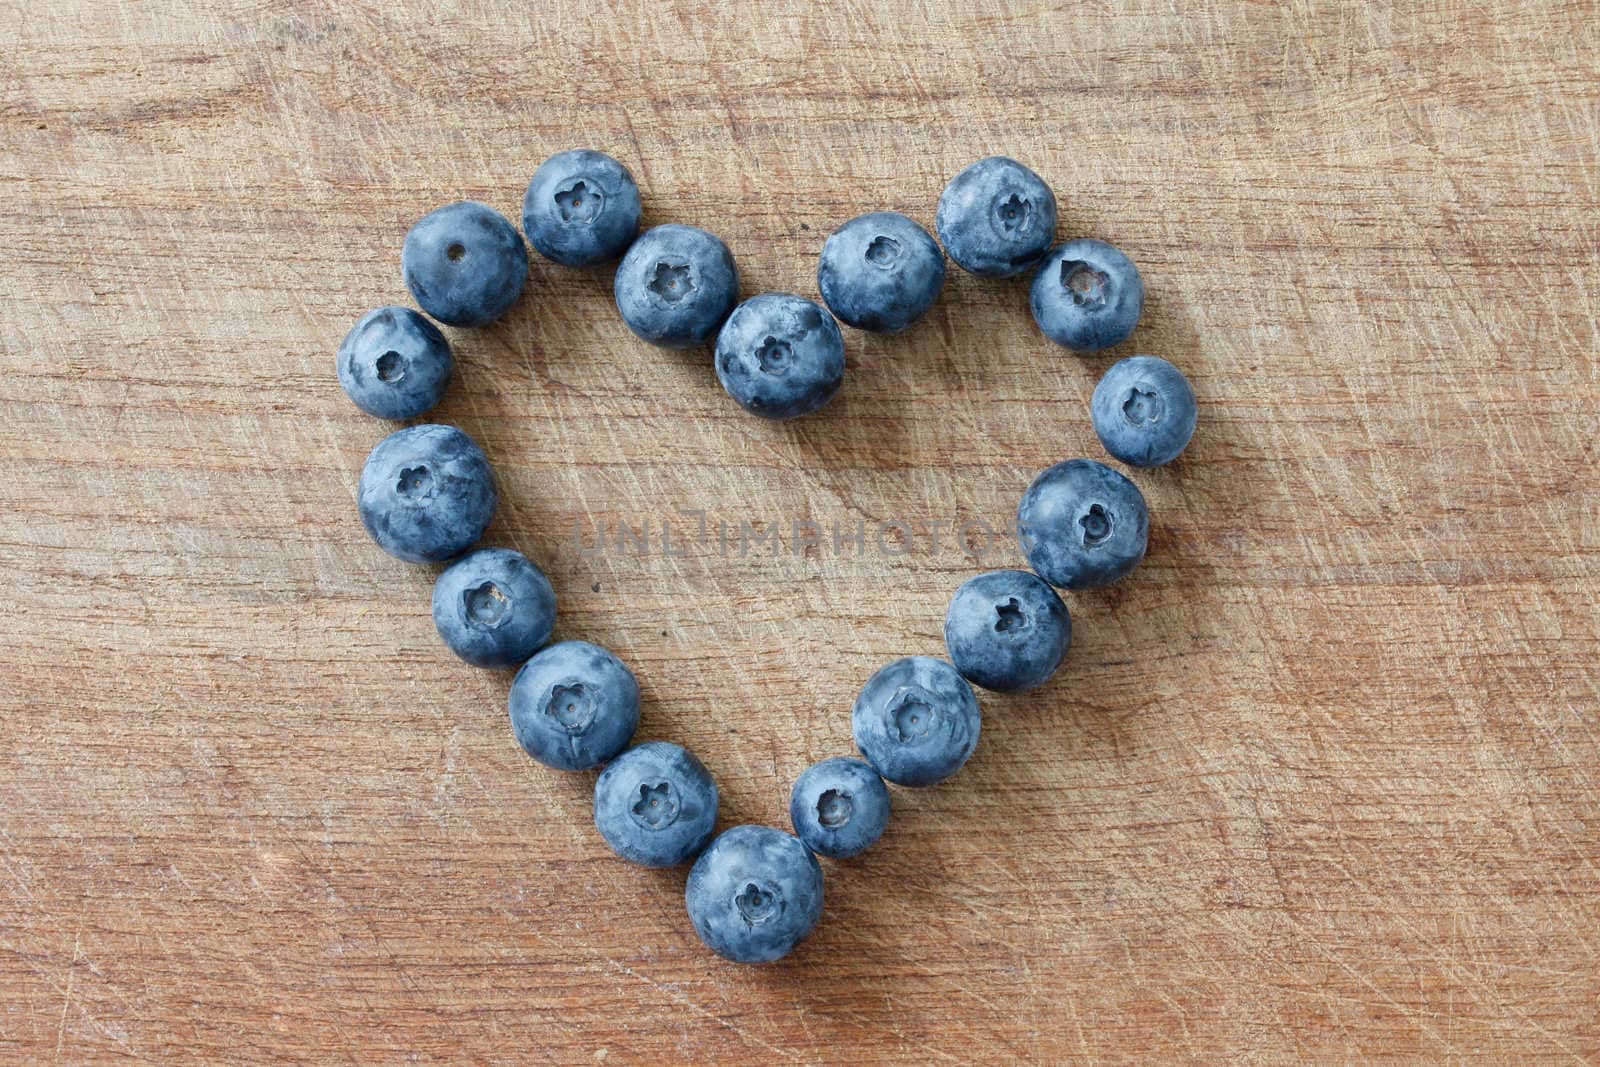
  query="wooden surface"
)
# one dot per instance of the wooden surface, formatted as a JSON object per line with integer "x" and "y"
{"x": 1318, "y": 782}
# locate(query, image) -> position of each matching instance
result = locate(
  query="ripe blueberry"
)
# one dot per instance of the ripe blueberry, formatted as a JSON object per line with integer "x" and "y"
{"x": 427, "y": 493}
{"x": 880, "y": 272}
{"x": 755, "y": 894}
{"x": 996, "y": 218}
{"x": 1007, "y": 631}
{"x": 581, "y": 208}
{"x": 1144, "y": 411}
{"x": 839, "y": 807}
{"x": 1082, "y": 525}
{"x": 676, "y": 285}
{"x": 574, "y": 706}
{"x": 464, "y": 264}
{"x": 395, "y": 364}
{"x": 780, "y": 356}
{"x": 1087, "y": 296}
{"x": 916, "y": 721}
{"x": 494, "y": 608}
{"x": 656, "y": 805}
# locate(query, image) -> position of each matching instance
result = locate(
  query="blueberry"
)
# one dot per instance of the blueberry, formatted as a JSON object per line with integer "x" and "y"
{"x": 755, "y": 894}
{"x": 996, "y": 218}
{"x": 581, "y": 209}
{"x": 494, "y": 608}
{"x": 464, "y": 264}
{"x": 1007, "y": 631}
{"x": 916, "y": 721}
{"x": 427, "y": 493}
{"x": 676, "y": 285}
{"x": 1082, "y": 525}
{"x": 656, "y": 805}
{"x": 394, "y": 363}
{"x": 574, "y": 706}
{"x": 1144, "y": 411}
{"x": 880, "y": 272}
{"x": 780, "y": 356}
{"x": 839, "y": 807}
{"x": 1087, "y": 296}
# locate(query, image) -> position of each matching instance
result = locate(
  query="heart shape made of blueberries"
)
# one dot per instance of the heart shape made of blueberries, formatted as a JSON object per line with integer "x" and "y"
{"x": 427, "y": 494}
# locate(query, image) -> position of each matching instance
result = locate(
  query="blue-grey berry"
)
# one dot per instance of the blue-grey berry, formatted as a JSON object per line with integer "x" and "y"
{"x": 581, "y": 208}
{"x": 676, "y": 285}
{"x": 656, "y": 805}
{"x": 1087, "y": 296}
{"x": 1144, "y": 411}
{"x": 574, "y": 706}
{"x": 996, "y": 218}
{"x": 780, "y": 356}
{"x": 494, "y": 608}
{"x": 427, "y": 493}
{"x": 755, "y": 894}
{"x": 839, "y": 807}
{"x": 395, "y": 364}
{"x": 880, "y": 272}
{"x": 1007, "y": 631}
{"x": 465, "y": 264}
{"x": 916, "y": 721}
{"x": 1082, "y": 525}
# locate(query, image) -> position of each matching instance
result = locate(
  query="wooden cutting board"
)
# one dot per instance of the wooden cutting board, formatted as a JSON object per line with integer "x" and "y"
{"x": 1317, "y": 782}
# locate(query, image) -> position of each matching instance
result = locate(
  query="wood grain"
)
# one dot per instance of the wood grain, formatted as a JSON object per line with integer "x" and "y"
{"x": 1318, "y": 782}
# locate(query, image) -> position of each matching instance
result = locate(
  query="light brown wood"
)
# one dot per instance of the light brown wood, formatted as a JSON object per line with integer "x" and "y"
{"x": 1319, "y": 781}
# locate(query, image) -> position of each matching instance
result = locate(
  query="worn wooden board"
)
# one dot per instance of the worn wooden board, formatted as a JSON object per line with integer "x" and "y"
{"x": 1318, "y": 782}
